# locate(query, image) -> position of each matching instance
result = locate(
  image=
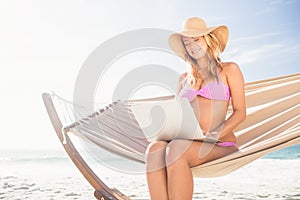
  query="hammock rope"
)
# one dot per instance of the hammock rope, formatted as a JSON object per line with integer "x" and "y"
{"x": 272, "y": 123}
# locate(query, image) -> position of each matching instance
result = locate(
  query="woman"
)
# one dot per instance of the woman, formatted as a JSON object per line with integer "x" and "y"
{"x": 209, "y": 85}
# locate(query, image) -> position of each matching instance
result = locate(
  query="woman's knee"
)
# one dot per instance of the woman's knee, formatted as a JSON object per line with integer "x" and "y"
{"x": 176, "y": 150}
{"x": 154, "y": 147}
{"x": 155, "y": 156}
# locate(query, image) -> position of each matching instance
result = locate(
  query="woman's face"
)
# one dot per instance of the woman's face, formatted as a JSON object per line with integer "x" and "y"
{"x": 195, "y": 46}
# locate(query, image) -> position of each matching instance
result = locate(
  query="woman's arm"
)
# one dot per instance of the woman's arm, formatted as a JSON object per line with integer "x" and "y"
{"x": 235, "y": 82}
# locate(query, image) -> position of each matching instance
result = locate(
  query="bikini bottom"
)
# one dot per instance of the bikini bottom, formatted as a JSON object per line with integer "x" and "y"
{"x": 226, "y": 144}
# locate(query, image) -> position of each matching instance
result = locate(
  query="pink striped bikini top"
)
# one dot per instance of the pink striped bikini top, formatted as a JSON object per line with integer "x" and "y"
{"x": 214, "y": 90}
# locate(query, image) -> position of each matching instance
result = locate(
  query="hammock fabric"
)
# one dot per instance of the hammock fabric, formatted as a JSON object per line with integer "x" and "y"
{"x": 272, "y": 123}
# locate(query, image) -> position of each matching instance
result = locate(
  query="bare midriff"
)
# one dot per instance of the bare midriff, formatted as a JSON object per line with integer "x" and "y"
{"x": 211, "y": 114}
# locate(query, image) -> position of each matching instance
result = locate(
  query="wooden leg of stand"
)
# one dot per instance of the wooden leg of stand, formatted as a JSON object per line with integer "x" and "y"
{"x": 103, "y": 195}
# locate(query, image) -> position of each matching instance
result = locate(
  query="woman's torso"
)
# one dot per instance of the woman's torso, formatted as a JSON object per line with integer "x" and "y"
{"x": 209, "y": 105}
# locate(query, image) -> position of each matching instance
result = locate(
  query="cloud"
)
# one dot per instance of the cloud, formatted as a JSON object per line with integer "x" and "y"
{"x": 282, "y": 2}
{"x": 257, "y": 37}
{"x": 275, "y": 5}
{"x": 251, "y": 55}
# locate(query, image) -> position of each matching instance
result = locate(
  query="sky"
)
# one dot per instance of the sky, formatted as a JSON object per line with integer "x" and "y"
{"x": 43, "y": 45}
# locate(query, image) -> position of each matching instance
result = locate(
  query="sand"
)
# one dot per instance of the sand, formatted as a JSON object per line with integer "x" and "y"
{"x": 262, "y": 179}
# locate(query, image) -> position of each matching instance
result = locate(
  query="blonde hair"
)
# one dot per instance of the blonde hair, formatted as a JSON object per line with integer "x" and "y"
{"x": 213, "y": 52}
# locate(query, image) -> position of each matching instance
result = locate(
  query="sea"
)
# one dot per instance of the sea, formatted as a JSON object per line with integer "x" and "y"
{"x": 17, "y": 156}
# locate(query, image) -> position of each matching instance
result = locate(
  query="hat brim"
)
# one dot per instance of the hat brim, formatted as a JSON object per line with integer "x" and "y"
{"x": 175, "y": 41}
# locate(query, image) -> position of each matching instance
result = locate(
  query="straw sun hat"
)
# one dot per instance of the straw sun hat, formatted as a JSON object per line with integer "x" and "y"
{"x": 195, "y": 27}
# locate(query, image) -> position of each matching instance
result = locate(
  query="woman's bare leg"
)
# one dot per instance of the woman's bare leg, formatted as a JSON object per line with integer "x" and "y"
{"x": 156, "y": 170}
{"x": 181, "y": 156}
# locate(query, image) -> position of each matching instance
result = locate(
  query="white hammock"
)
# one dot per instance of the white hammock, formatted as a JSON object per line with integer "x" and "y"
{"x": 272, "y": 123}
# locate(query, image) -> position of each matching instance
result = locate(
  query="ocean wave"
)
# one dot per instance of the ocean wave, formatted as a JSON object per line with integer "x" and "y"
{"x": 34, "y": 159}
{"x": 292, "y": 152}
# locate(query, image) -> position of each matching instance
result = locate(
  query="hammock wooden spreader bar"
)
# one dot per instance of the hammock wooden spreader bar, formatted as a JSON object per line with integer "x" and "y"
{"x": 272, "y": 123}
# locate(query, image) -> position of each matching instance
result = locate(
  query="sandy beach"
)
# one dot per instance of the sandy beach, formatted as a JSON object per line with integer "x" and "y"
{"x": 60, "y": 179}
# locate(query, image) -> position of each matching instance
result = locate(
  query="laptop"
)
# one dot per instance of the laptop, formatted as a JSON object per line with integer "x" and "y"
{"x": 167, "y": 120}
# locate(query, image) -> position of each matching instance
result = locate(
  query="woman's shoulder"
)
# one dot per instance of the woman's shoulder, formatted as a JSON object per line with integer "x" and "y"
{"x": 230, "y": 68}
{"x": 183, "y": 76}
{"x": 232, "y": 73}
{"x": 182, "y": 80}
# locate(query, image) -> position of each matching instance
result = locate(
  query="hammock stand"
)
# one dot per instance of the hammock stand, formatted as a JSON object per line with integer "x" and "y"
{"x": 272, "y": 123}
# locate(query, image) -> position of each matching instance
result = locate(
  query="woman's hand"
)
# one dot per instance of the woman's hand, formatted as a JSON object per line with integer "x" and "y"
{"x": 188, "y": 93}
{"x": 214, "y": 135}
